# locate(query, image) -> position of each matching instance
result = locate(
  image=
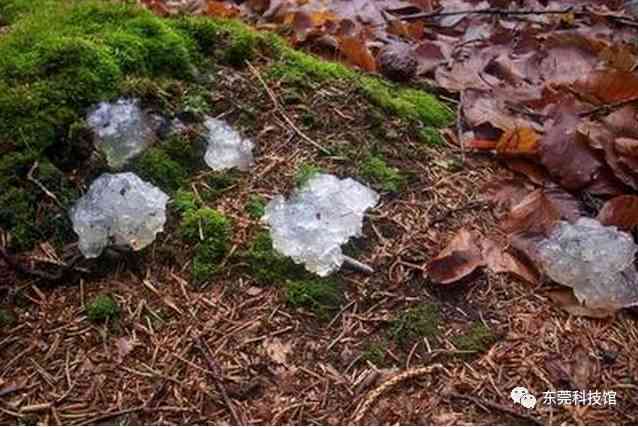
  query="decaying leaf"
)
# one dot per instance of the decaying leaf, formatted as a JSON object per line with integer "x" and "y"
{"x": 500, "y": 261}
{"x": 566, "y": 153}
{"x": 277, "y": 350}
{"x": 458, "y": 260}
{"x": 535, "y": 214}
{"x": 584, "y": 368}
{"x": 621, "y": 211}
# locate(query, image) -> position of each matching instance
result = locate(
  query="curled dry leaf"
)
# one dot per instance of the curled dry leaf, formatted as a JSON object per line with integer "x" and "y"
{"x": 536, "y": 214}
{"x": 621, "y": 211}
{"x": 565, "y": 299}
{"x": 458, "y": 260}
{"x": 500, "y": 261}
{"x": 221, "y": 10}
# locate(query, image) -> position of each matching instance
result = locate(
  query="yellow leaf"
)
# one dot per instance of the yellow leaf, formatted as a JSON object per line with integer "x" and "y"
{"x": 518, "y": 142}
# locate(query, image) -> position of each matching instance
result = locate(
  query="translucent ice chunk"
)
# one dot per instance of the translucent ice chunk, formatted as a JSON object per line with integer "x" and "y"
{"x": 122, "y": 130}
{"x": 312, "y": 225}
{"x": 226, "y": 147}
{"x": 596, "y": 261}
{"x": 118, "y": 209}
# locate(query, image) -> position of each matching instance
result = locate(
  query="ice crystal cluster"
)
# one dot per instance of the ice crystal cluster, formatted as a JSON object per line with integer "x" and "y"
{"x": 119, "y": 209}
{"x": 595, "y": 260}
{"x": 226, "y": 147}
{"x": 315, "y": 221}
{"x": 121, "y": 129}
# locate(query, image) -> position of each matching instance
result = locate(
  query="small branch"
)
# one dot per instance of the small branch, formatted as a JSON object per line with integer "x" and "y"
{"x": 488, "y": 11}
{"x": 13, "y": 263}
{"x": 217, "y": 374}
{"x": 496, "y": 406}
{"x": 608, "y": 107}
{"x": 357, "y": 265}
{"x": 41, "y": 186}
{"x": 283, "y": 114}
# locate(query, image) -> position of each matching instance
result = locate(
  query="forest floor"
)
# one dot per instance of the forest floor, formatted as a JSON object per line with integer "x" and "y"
{"x": 281, "y": 363}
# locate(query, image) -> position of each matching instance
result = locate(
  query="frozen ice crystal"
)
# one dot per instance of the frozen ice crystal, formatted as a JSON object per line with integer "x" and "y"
{"x": 226, "y": 147}
{"x": 596, "y": 261}
{"x": 122, "y": 130}
{"x": 312, "y": 225}
{"x": 118, "y": 209}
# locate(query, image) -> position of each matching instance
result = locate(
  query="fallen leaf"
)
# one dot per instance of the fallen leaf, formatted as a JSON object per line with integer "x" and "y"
{"x": 536, "y": 214}
{"x": 357, "y": 53}
{"x": 459, "y": 259}
{"x": 608, "y": 86}
{"x": 566, "y": 300}
{"x": 221, "y": 10}
{"x": 566, "y": 154}
{"x": 621, "y": 211}
{"x": 518, "y": 142}
{"x": 500, "y": 261}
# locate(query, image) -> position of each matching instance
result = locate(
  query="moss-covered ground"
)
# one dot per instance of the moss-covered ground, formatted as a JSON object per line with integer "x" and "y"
{"x": 292, "y": 348}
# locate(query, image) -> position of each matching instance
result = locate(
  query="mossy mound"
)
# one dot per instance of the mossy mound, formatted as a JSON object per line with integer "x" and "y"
{"x": 268, "y": 267}
{"x": 321, "y": 296}
{"x": 416, "y": 323}
{"x": 210, "y": 232}
{"x": 102, "y": 308}
{"x": 477, "y": 339}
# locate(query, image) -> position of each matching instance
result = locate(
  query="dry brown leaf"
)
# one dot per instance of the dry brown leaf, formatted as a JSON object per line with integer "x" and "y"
{"x": 536, "y": 214}
{"x": 357, "y": 53}
{"x": 500, "y": 261}
{"x": 458, "y": 260}
{"x": 608, "y": 86}
{"x": 221, "y": 10}
{"x": 567, "y": 155}
{"x": 566, "y": 300}
{"x": 621, "y": 211}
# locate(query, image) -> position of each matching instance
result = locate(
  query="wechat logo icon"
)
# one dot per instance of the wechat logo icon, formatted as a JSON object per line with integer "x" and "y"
{"x": 521, "y": 396}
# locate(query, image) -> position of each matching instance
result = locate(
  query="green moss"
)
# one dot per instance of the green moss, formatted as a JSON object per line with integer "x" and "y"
{"x": 103, "y": 307}
{"x": 376, "y": 170}
{"x": 158, "y": 168}
{"x": 299, "y": 67}
{"x": 267, "y": 266}
{"x": 210, "y": 231}
{"x": 416, "y": 323}
{"x": 478, "y": 338}
{"x": 321, "y": 296}
{"x": 305, "y": 172}
{"x": 374, "y": 353}
{"x": 408, "y": 103}
{"x": 256, "y": 206}
{"x": 59, "y": 58}
{"x": 220, "y": 182}
{"x": 430, "y": 135}
{"x": 7, "y": 319}
{"x": 185, "y": 201}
